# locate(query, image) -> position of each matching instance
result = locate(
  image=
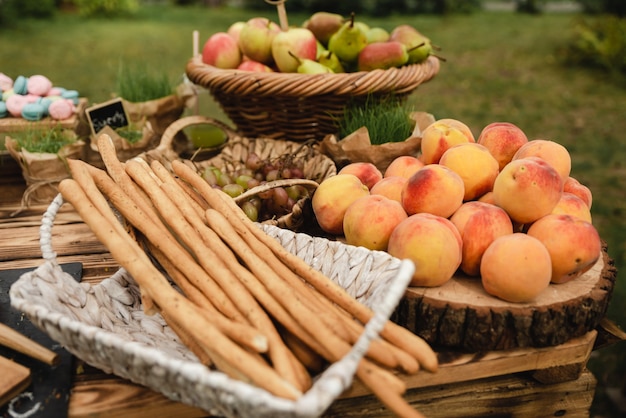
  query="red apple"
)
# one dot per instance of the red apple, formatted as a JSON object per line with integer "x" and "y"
{"x": 255, "y": 39}
{"x": 294, "y": 41}
{"x": 221, "y": 51}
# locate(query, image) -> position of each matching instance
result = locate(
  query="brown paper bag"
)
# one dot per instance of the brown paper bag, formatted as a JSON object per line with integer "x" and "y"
{"x": 357, "y": 146}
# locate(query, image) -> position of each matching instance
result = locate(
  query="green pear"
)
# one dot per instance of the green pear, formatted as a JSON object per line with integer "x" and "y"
{"x": 320, "y": 49}
{"x": 331, "y": 60}
{"x": 309, "y": 66}
{"x": 348, "y": 41}
{"x": 323, "y": 25}
{"x": 377, "y": 34}
{"x": 418, "y": 45}
{"x": 382, "y": 55}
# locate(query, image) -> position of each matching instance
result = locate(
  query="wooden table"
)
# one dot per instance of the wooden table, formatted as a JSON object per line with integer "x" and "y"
{"x": 516, "y": 383}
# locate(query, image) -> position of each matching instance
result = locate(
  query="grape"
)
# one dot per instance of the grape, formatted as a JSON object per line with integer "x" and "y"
{"x": 280, "y": 197}
{"x": 272, "y": 175}
{"x": 254, "y": 162}
{"x": 293, "y": 192}
{"x": 209, "y": 176}
{"x": 250, "y": 210}
{"x": 223, "y": 179}
{"x": 233, "y": 189}
{"x": 243, "y": 180}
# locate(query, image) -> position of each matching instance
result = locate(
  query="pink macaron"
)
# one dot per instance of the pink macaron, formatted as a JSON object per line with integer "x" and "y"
{"x": 61, "y": 109}
{"x": 6, "y": 82}
{"x": 38, "y": 85}
{"x": 15, "y": 104}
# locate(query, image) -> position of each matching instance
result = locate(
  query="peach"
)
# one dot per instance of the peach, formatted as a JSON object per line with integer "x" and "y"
{"x": 554, "y": 153}
{"x": 572, "y": 185}
{"x": 441, "y": 135}
{"x": 432, "y": 243}
{"x": 574, "y": 245}
{"x": 479, "y": 224}
{"x": 403, "y": 166}
{"x": 527, "y": 189}
{"x": 516, "y": 268}
{"x": 390, "y": 187}
{"x": 433, "y": 189}
{"x": 570, "y": 204}
{"x": 367, "y": 172}
{"x": 502, "y": 139}
{"x": 370, "y": 220}
{"x": 476, "y": 166}
{"x": 487, "y": 198}
{"x": 332, "y": 198}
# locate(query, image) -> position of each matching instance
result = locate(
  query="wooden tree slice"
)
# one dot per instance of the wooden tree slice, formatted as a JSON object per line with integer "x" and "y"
{"x": 460, "y": 314}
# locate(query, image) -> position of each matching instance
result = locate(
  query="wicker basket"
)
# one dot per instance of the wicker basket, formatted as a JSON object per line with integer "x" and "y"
{"x": 300, "y": 107}
{"x": 105, "y": 326}
{"x": 234, "y": 152}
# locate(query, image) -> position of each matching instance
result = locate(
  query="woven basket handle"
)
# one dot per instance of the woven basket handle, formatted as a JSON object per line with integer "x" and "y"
{"x": 168, "y": 135}
{"x": 274, "y": 184}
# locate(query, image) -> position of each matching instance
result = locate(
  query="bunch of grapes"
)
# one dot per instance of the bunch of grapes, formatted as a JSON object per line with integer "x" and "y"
{"x": 268, "y": 204}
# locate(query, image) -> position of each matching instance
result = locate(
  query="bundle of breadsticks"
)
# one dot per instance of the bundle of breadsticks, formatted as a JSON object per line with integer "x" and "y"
{"x": 242, "y": 303}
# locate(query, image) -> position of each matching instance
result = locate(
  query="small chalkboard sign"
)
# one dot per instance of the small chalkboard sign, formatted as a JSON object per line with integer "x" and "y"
{"x": 111, "y": 113}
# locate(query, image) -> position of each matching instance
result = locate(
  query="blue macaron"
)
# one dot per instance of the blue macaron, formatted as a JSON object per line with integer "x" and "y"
{"x": 20, "y": 85}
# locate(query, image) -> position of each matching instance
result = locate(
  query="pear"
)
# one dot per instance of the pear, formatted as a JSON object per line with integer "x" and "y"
{"x": 323, "y": 25}
{"x": 418, "y": 45}
{"x": 382, "y": 55}
{"x": 377, "y": 34}
{"x": 309, "y": 66}
{"x": 348, "y": 41}
{"x": 331, "y": 60}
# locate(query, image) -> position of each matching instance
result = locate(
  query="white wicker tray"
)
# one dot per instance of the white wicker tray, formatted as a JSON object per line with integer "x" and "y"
{"x": 105, "y": 326}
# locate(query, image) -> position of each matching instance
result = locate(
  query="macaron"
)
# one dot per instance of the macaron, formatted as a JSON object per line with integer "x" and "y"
{"x": 20, "y": 85}
{"x": 61, "y": 109}
{"x": 38, "y": 84}
{"x": 6, "y": 82}
{"x": 56, "y": 91}
{"x": 45, "y": 102}
{"x": 7, "y": 93}
{"x": 70, "y": 94}
{"x": 3, "y": 110}
{"x": 15, "y": 103}
{"x": 33, "y": 111}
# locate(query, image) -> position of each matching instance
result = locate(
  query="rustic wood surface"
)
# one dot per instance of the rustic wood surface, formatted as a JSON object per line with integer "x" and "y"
{"x": 480, "y": 383}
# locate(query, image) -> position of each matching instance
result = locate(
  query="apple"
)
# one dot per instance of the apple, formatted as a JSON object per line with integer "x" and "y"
{"x": 516, "y": 268}
{"x": 433, "y": 244}
{"x": 221, "y": 51}
{"x": 250, "y": 65}
{"x": 256, "y": 37}
{"x": 235, "y": 29}
{"x": 298, "y": 42}
{"x": 574, "y": 245}
{"x": 370, "y": 220}
{"x": 502, "y": 139}
{"x": 527, "y": 189}
{"x": 434, "y": 189}
{"x": 331, "y": 200}
{"x": 367, "y": 172}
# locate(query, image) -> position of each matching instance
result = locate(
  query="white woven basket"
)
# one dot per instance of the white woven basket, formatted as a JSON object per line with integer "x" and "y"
{"x": 105, "y": 326}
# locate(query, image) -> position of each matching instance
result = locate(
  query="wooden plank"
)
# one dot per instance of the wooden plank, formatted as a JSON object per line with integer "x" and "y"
{"x": 15, "y": 378}
{"x": 511, "y": 396}
{"x": 467, "y": 367}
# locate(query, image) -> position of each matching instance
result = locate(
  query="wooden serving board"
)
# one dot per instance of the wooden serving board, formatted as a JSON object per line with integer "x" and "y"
{"x": 461, "y": 315}
{"x": 15, "y": 378}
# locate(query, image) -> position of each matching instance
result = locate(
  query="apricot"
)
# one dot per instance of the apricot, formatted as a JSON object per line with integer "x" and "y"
{"x": 527, "y": 189}
{"x": 368, "y": 173}
{"x": 479, "y": 224}
{"x": 516, "y": 268}
{"x": 432, "y": 243}
{"x": 572, "y": 185}
{"x": 570, "y": 204}
{"x": 331, "y": 200}
{"x": 554, "y": 153}
{"x": 434, "y": 189}
{"x": 390, "y": 187}
{"x": 370, "y": 220}
{"x": 441, "y": 135}
{"x": 476, "y": 166}
{"x": 502, "y": 139}
{"x": 403, "y": 166}
{"x": 574, "y": 245}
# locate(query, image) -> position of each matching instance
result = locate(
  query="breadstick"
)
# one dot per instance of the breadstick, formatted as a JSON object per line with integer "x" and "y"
{"x": 178, "y": 307}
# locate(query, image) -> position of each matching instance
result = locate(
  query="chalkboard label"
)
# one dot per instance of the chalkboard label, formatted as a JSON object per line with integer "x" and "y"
{"x": 111, "y": 113}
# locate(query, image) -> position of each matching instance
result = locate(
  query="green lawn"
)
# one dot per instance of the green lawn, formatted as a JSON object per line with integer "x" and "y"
{"x": 500, "y": 66}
